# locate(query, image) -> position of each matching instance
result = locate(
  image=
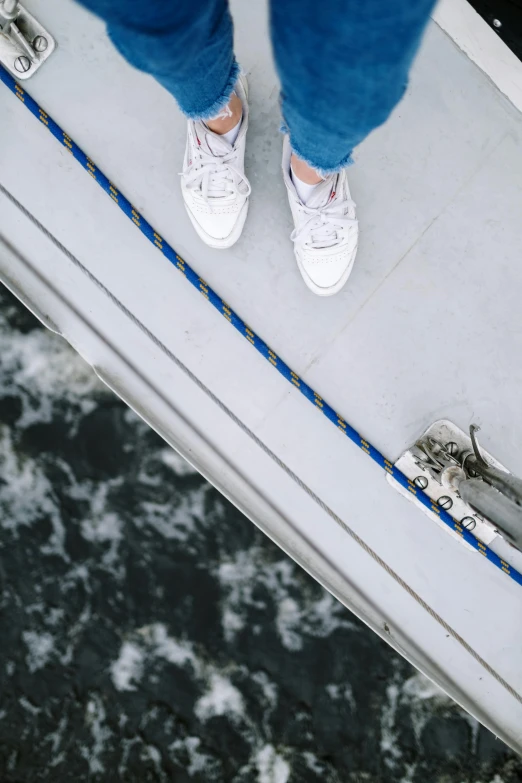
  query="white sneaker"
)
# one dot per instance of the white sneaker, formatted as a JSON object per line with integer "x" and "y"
{"x": 213, "y": 183}
{"x": 326, "y": 231}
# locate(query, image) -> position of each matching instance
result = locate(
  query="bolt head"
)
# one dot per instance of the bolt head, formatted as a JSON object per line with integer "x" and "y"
{"x": 421, "y": 482}
{"x": 40, "y": 43}
{"x": 22, "y": 64}
{"x": 452, "y": 448}
{"x": 468, "y": 522}
{"x": 445, "y": 502}
{"x": 497, "y": 23}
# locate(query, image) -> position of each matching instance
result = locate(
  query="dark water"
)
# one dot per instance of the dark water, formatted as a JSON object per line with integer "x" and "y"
{"x": 505, "y": 18}
{"x": 150, "y": 633}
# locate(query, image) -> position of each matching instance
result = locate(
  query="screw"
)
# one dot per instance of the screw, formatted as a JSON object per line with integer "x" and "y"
{"x": 10, "y": 7}
{"x": 22, "y": 64}
{"x": 452, "y": 448}
{"x": 40, "y": 43}
{"x": 497, "y": 23}
{"x": 421, "y": 482}
{"x": 445, "y": 502}
{"x": 469, "y": 523}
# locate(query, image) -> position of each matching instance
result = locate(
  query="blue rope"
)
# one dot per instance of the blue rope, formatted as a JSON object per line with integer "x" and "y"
{"x": 254, "y": 339}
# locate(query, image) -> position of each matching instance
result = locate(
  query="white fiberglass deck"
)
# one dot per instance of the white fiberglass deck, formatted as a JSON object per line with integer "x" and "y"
{"x": 428, "y": 326}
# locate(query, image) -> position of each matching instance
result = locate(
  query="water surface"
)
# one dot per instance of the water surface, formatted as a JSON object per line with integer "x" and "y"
{"x": 151, "y": 633}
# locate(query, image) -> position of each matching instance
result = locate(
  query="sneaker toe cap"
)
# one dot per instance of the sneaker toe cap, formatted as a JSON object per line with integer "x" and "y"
{"x": 328, "y": 271}
{"x": 218, "y": 226}
{"x": 217, "y": 223}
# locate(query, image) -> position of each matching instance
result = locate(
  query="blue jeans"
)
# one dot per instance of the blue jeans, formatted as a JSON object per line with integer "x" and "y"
{"x": 343, "y": 64}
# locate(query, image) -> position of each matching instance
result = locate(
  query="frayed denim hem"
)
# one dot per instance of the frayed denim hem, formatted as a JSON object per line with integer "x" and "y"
{"x": 323, "y": 171}
{"x": 220, "y": 103}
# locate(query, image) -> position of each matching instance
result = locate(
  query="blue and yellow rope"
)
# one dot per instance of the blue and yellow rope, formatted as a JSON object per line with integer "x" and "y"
{"x": 254, "y": 339}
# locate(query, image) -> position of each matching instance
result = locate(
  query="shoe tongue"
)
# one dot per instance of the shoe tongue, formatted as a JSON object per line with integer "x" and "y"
{"x": 321, "y": 194}
{"x": 215, "y": 144}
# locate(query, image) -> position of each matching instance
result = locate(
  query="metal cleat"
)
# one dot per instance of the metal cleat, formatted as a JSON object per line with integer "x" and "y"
{"x": 476, "y": 490}
{"x": 24, "y": 43}
{"x": 493, "y": 492}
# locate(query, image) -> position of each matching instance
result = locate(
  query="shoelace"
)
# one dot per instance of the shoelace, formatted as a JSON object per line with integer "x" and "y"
{"x": 215, "y": 176}
{"x": 319, "y": 229}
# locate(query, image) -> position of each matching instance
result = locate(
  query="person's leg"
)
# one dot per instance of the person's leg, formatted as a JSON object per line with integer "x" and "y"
{"x": 187, "y": 45}
{"x": 343, "y": 66}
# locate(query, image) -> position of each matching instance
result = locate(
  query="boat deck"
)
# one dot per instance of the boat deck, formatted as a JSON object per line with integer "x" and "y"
{"x": 428, "y": 327}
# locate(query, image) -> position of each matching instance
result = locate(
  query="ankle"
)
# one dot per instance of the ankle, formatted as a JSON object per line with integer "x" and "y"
{"x": 304, "y": 172}
{"x": 228, "y": 117}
